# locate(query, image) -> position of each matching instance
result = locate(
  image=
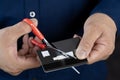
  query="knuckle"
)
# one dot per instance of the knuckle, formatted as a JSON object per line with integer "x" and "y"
{"x": 14, "y": 70}
{"x": 14, "y": 74}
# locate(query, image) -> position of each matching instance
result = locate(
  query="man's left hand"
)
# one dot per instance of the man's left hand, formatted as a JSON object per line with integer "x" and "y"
{"x": 98, "y": 40}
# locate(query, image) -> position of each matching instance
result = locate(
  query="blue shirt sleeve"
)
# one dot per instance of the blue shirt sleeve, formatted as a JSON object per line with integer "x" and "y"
{"x": 111, "y": 8}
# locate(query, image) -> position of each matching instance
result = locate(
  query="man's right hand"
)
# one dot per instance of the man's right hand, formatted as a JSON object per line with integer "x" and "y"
{"x": 11, "y": 60}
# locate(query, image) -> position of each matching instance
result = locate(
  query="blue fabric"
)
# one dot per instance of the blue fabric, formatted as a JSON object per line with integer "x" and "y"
{"x": 112, "y": 9}
{"x": 95, "y": 71}
{"x": 58, "y": 19}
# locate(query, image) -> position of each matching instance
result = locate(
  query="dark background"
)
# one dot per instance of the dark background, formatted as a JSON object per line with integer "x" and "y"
{"x": 113, "y": 62}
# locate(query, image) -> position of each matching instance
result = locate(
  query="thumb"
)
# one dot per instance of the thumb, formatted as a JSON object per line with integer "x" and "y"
{"x": 87, "y": 42}
{"x": 21, "y": 28}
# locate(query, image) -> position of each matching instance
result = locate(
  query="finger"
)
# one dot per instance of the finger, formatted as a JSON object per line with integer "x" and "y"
{"x": 33, "y": 51}
{"x": 25, "y": 40}
{"x": 15, "y": 73}
{"x": 97, "y": 54}
{"x": 38, "y": 40}
{"x": 33, "y": 62}
{"x": 29, "y": 42}
{"x": 75, "y": 35}
{"x": 91, "y": 34}
{"x": 20, "y": 29}
{"x": 102, "y": 50}
{"x": 25, "y": 46}
{"x": 21, "y": 52}
{"x": 36, "y": 48}
{"x": 29, "y": 62}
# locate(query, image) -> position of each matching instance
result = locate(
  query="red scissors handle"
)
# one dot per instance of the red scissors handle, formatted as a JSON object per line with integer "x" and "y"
{"x": 34, "y": 28}
{"x": 36, "y": 32}
{"x": 40, "y": 45}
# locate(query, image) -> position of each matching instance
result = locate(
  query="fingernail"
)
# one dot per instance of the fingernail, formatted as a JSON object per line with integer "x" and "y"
{"x": 75, "y": 35}
{"x": 81, "y": 54}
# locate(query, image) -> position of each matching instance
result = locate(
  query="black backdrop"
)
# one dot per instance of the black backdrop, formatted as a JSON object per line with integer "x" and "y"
{"x": 113, "y": 62}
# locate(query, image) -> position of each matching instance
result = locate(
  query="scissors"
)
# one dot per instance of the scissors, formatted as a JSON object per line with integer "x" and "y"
{"x": 44, "y": 43}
